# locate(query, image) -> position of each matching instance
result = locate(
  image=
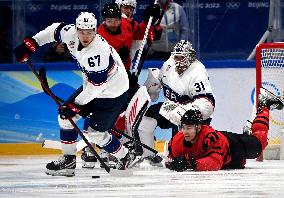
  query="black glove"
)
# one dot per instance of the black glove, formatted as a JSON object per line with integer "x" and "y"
{"x": 133, "y": 85}
{"x": 24, "y": 51}
{"x": 158, "y": 30}
{"x": 124, "y": 54}
{"x": 68, "y": 110}
{"x": 180, "y": 164}
{"x": 152, "y": 10}
{"x": 133, "y": 79}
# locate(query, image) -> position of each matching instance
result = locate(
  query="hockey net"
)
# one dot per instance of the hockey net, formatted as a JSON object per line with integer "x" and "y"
{"x": 270, "y": 75}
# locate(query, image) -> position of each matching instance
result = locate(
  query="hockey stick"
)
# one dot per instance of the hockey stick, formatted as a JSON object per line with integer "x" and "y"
{"x": 49, "y": 92}
{"x": 42, "y": 74}
{"x": 143, "y": 43}
{"x": 135, "y": 141}
{"x": 138, "y": 71}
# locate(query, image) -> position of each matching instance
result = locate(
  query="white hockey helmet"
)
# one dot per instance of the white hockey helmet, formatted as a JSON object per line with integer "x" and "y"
{"x": 86, "y": 20}
{"x": 126, "y": 2}
{"x": 132, "y": 3}
{"x": 184, "y": 55}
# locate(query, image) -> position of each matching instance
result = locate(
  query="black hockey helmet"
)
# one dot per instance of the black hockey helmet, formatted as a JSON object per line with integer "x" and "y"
{"x": 111, "y": 10}
{"x": 192, "y": 117}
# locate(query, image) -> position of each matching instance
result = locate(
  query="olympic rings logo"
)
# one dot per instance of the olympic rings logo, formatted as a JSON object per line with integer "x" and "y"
{"x": 233, "y": 5}
{"x": 34, "y": 7}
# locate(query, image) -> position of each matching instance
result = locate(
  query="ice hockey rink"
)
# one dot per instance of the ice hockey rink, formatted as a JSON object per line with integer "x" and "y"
{"x": 25, "y": 177}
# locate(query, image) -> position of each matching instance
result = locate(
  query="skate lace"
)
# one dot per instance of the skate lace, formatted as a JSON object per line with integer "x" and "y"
{"x": 59, "y": 161}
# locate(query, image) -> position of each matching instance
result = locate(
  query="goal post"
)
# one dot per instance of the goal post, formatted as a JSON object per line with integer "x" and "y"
{"x": 270, "y": 75}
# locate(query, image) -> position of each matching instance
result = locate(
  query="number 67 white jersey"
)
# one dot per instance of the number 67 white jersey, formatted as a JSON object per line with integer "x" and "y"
{"x": 103, "y": 72}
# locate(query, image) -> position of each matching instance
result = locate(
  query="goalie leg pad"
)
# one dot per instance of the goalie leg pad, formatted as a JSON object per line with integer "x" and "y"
{"x": 146, "y": 133}
{"x": 153, "y": 84}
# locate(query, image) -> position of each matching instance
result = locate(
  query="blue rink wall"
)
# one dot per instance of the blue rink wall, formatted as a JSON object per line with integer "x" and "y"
{"x": 29, "y": 115}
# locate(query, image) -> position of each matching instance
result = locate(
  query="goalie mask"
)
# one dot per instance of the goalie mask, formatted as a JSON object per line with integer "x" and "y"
{"x": 184, "y": 55}
{"x": 86, "y": 21}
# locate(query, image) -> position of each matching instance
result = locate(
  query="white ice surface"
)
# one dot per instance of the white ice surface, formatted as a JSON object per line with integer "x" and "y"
{"x": 25, "y": 177}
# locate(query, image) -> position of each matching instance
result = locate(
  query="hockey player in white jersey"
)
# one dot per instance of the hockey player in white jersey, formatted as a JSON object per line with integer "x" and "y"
{"x": 185, "y": 84}
{"x": 105, "y": 85}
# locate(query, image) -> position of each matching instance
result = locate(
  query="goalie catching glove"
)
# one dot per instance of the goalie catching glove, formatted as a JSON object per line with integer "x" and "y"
{"x": 68, "y": 110}
{"x": 24, "y": 51}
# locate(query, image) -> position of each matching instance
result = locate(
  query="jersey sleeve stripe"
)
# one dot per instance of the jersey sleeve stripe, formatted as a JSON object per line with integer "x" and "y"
{"x": 57, "y": 35}
{"x": 100, "y": 77}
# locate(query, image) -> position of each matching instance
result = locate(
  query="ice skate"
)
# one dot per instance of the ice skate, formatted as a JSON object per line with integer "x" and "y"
{"x": 126, "y": 162}
{"x": 88, "y": 158}
{"x": 64, "y": 166}
{"x": 269, "y": 100}
{"x": 104, "y": 156}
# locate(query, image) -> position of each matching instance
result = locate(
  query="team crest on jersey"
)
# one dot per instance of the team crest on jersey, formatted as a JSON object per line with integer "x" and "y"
{"x": 209, "y": 140}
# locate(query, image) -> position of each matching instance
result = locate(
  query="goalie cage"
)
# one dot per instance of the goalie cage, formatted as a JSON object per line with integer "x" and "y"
{"x": 270, "y": 75}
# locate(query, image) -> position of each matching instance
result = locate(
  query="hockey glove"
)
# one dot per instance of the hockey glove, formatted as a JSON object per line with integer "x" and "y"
{"x": 68, "y": 110}
{"x": 152, "y": 10}
{"x": 176, "y": 114}
{"x": 24, "y": 51}
{"x": 133, "y": 79}
{"x": 180, "y": 164}
{"x": 158, "y": 30}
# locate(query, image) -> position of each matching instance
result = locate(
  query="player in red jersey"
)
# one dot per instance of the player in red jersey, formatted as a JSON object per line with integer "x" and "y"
{"x": 120, "y": 32}
{"x": 202, "y": 148}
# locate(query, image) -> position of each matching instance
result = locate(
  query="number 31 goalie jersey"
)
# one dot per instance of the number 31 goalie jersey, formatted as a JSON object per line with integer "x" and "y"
{"x": 103, "y": 72}
{"x": 193, "y": 84}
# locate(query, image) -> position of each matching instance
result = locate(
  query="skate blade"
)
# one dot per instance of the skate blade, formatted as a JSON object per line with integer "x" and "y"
{"x": 136, "y": 162}
{"x": 65, "y": 172}
{"x": 88, "y": 165}
{"x": 121, "y": 173}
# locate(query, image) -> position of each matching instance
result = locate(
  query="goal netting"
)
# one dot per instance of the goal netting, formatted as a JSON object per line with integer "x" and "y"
{"x": 270, "y": 75}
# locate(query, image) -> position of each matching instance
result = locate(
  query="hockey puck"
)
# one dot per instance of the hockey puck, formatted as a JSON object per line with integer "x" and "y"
{"x": 95, "y": 176}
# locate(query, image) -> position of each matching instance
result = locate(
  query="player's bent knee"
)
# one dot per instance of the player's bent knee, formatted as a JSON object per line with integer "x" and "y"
{"x": 99, "y": 138}
{"x": 64, "y": 124}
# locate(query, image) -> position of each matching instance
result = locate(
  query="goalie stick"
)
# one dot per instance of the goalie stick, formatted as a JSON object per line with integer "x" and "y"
{"x": 55, "y": 98}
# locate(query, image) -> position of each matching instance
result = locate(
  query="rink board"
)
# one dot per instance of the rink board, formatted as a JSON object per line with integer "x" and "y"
{"x": 36, "y": 149}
